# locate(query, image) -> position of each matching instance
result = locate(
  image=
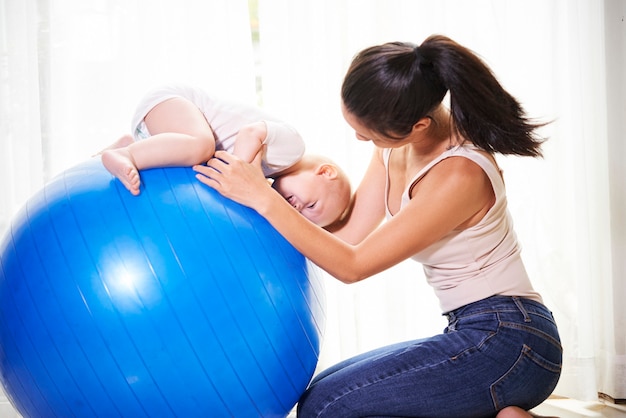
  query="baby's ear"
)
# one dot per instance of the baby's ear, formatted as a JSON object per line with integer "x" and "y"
{"x": 327, "y": 170}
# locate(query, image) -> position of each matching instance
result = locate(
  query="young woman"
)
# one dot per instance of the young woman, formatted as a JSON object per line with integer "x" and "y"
{"x": 435, "y": 180}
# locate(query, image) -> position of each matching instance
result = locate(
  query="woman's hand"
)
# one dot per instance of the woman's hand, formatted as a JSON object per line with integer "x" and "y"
{"x": 237, "y": 180}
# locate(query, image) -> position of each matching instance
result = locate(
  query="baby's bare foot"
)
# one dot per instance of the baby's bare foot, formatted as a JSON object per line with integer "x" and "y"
{"x": 120, "y": 163}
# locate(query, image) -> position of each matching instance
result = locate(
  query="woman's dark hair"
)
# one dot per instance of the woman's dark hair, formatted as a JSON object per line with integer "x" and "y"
{"x": 390, "y": 87}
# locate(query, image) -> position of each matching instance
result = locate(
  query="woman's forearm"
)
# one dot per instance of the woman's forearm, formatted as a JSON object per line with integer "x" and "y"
{"x": 245, "y": 183}
{"x": 320, "y": 246}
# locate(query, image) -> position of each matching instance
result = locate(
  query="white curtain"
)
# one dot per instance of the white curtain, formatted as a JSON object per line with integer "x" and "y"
{"x": 71, "y": 72}
{"x": 564, "y": 60}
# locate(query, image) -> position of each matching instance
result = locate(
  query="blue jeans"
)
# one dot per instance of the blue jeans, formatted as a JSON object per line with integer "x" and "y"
{"x": 497, "y": 352}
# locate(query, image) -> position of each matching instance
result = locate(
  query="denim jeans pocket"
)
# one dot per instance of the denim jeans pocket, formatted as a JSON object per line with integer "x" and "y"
{"x": 532, "y": 376}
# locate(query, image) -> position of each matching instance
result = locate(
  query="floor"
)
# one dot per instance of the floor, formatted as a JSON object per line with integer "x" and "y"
{"x": 570, "y": 408}
{"x": 6, "y": 410}
{"x": 554, "y": 407}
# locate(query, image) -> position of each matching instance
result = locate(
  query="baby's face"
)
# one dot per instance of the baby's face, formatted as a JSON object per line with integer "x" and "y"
{"x": 313, "y": 196}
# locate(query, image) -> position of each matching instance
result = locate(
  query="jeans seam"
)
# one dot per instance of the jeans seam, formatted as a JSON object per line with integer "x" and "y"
{"x": 525, "y": 353}
{"x": 494, "y": 397}
{"x": 522, "y": 305}
{"x": 474, "y": 348}
{"x": 378, "y": 380}
{"x": 532, "y": 330}
{"x": 497, "y": 311}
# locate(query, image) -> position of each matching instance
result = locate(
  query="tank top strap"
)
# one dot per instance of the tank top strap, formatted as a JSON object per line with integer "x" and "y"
{"x": 468, "y": 151}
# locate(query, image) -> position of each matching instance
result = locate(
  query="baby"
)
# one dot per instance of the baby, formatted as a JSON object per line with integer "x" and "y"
{"x": 183, "y": 126}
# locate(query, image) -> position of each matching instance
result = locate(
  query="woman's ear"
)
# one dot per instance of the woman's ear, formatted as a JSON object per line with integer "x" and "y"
{"x": 422, "y": 124}
{"x": 327, "y": 170}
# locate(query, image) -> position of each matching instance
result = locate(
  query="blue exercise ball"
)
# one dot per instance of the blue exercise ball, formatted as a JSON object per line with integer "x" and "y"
{"x": 177, "y": 302}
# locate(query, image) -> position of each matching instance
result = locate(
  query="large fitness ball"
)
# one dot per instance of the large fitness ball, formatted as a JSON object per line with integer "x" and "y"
{"x": 174, "y": 303}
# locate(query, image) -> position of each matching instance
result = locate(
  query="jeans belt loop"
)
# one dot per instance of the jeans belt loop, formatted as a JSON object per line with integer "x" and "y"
{"x": 520, "y": 306}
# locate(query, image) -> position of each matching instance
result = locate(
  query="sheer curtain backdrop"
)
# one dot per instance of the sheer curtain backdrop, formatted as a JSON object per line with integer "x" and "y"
{"x": 71, "y": 72}
{"x": 564, "y": 59}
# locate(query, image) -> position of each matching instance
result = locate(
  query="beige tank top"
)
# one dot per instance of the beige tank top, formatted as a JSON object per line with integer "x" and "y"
{"x": 478, "y": 262}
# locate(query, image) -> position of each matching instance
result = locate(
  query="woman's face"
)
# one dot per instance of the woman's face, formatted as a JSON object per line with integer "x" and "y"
{"x": 365, "y": 134}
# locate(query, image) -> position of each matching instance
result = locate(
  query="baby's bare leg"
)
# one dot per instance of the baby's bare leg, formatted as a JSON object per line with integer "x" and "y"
{"x": 179, "y": 136}
{"x": 120, "y": 163}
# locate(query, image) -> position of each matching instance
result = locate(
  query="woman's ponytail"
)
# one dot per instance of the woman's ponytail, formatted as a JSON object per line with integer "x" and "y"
{"x": 390, "y": 87}
{"x": 481, "y": 110}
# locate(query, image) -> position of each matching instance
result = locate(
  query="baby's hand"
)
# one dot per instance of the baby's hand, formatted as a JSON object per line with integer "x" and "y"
{"x": 234, "y": 178}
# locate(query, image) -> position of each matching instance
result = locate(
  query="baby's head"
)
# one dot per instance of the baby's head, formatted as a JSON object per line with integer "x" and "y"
{"x": 317, "y": 187}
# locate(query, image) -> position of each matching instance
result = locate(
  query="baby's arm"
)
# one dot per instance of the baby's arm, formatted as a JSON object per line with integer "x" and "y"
{"x": 249, "y": 141}
{"x": 281, "y": 144}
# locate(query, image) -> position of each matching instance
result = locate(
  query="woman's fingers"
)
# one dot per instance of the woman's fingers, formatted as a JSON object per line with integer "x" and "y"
{"x": 232, "y": 177}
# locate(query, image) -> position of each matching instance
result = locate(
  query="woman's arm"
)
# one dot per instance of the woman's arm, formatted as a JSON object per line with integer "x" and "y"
{"x": 452, "y": 192}
{"x": 368, "y": 204}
